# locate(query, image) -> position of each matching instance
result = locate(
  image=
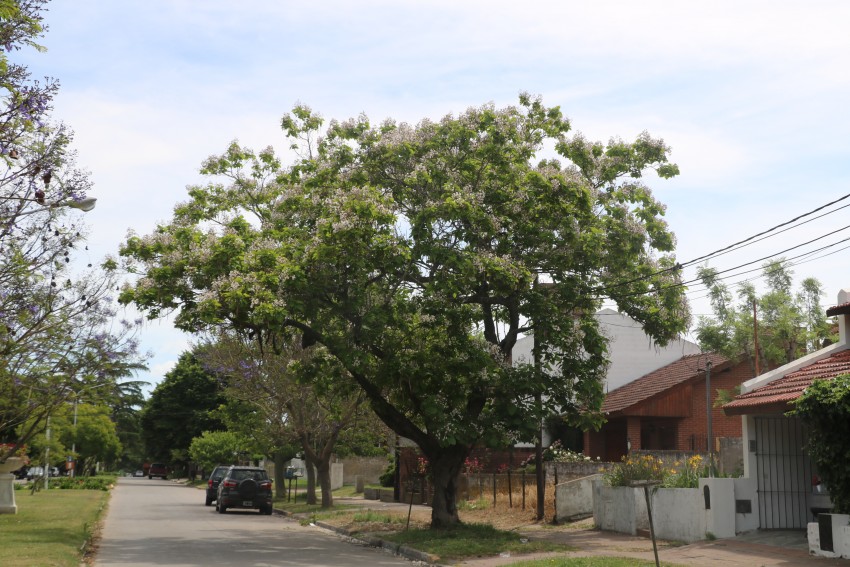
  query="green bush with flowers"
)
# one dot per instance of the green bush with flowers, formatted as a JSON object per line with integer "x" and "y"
{"x": 634, "y": 468}
{"x": 557, "y": 453}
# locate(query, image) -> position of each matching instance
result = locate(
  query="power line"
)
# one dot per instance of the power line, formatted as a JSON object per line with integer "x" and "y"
{"x": 786, "y": 223}
{"x": 762, "y": 259}
{"x": 735, "y": 246}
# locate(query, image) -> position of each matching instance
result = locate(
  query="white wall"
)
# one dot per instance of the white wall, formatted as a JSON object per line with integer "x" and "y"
{"x": 678, "y": 514}
{"x": 574, "y": 499}
{"x": 632, "y": 352}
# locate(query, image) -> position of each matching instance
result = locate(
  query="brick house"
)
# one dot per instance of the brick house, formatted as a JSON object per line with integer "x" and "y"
{"x": 665, "y": 410}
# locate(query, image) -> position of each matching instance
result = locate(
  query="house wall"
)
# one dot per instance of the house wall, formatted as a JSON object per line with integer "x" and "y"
{"x": 695, "y": 427}
{"x": 691, "y": 428}
{"x": 631, "y": 352}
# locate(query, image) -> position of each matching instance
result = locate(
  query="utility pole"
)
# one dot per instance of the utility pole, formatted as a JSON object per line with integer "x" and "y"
{"x": 756, "y": 335}
{"x": 47, "y": 457}
{"x": 708, "y": 409}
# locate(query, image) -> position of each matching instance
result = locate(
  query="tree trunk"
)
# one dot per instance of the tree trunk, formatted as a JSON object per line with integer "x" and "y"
{"x": 323, "y": 469}
{"x": 445, "y": 468}
{"x": 280, "y": 459}
{"x": 311, "y": 481}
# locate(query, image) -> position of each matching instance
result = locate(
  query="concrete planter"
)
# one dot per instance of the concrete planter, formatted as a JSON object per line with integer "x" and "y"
{"x": 679, "y": 514}
{"x": 830, "y": 536}
{"x": 7, "y": 485}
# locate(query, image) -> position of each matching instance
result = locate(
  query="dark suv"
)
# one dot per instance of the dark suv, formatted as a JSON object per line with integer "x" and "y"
{"x": 212, "y": 483}
{"x": 245, "y": 487}
{"x": 158, "y": 469}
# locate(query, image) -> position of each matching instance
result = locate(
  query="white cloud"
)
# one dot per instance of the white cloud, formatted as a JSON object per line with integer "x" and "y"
{"x": 751, "y": 96}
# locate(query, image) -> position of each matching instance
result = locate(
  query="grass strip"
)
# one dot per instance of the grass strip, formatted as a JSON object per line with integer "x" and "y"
{"x": 471, "y": 540}
{"x": 50, "y": 528}
{"x": 598, "y": 561}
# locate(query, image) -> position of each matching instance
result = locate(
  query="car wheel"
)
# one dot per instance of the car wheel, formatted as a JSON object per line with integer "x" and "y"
{"x": 150, "y": 477}
{"x": 209, "y": 501}
{"x": 267, "y": 510}
{"x": 221, "y": 508}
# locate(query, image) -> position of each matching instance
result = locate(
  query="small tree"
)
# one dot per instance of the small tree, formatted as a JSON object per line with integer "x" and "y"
{"x": 216, "y": 448}
{"x": 825, "y": 408}
{"x": 789, "y": 324}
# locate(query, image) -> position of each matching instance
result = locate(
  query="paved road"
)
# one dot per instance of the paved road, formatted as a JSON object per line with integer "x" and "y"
{"x": 156, "y": 523}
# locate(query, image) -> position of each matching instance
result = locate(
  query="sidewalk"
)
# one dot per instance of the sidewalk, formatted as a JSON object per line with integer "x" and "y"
{"x": 780, "y": 548}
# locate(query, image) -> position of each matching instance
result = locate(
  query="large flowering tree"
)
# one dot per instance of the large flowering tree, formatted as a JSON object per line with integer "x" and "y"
{"x": 417, "y": 255}
{"x": 58, "y": 332}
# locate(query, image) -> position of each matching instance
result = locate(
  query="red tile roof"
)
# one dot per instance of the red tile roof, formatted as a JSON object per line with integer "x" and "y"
{"x": 658, "y": 381}
{"x": 790, "y": 386}
{"x": 842, "y": 309}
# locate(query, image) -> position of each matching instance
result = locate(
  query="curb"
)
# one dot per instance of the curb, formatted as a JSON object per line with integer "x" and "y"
{"x": 394, "y": 548}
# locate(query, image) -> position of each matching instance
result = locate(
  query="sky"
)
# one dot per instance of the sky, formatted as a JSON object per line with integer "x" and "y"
{"x": 751, "y": 96}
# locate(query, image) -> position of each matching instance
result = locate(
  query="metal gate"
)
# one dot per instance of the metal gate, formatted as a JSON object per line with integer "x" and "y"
{"x": 784, "y": 473}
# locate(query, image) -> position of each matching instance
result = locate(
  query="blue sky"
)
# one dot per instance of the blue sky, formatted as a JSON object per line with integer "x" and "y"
{"x": 752, "y": 97}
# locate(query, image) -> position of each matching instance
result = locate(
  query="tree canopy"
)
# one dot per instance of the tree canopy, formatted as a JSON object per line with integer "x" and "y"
{"x": 58, "y": 329}
{"x": 790, "y": 324}
{"x": 180, "y": 408}
{"x": 418, "y": 255}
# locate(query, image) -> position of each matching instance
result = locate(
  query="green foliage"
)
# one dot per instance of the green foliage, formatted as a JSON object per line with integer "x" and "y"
{"x": 558, "y": 454}
{"x": 387, "y": 478}
{"x": 180, "y": 409}
{"x": 95, "y": 437}
{"x": 471, "y": 540}
{"x": 790, "y": 324}
{"x": 825, "y": 408}
{"x": 83, "y": 483}
{"x": 416, "y": 257}
{"x": 635, "y": 468}
{"x": 216, "y": 448}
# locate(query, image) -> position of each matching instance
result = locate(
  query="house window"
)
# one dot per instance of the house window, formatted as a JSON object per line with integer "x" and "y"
{"x": 658, "y": 435}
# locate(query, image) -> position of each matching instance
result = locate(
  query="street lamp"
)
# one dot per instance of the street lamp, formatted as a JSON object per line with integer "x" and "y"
{"x": 86, "y": 204}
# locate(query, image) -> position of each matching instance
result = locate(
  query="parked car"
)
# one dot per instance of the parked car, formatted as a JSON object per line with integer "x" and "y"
{"x": 158, "y": 469}
{"x": 245, "y": 487}
{"x": 36, "y": 472}
{"x": 212, "y": 483}
{"x": 139, "y": 472}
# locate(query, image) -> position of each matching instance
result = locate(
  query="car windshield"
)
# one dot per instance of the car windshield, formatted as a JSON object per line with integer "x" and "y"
{"x": 246, "y": 474}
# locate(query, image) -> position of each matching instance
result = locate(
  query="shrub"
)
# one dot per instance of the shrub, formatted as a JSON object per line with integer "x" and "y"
{"x": 387, "y": 477}
{"x": 631, "y": 468}
{"x": 558, "y": 454}
{"x": 686, "y": 475}
{"x": 83, "y": 483}
{"x": 825, "y": 408}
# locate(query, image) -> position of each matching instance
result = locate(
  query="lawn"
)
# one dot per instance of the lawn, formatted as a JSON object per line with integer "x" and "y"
{"x": 50, "y": 528}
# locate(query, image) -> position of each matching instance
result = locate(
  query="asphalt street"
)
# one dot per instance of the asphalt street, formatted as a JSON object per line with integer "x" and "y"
{"x": 156, "y": 523}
